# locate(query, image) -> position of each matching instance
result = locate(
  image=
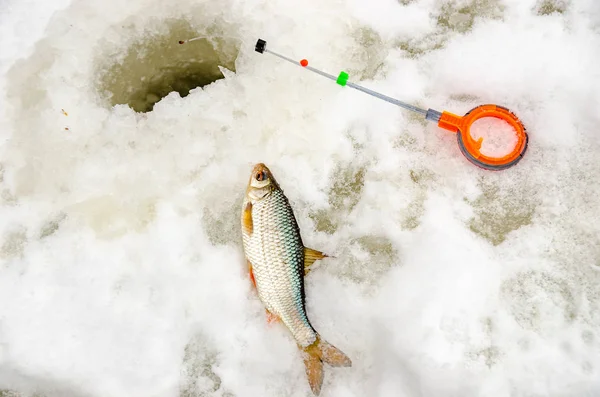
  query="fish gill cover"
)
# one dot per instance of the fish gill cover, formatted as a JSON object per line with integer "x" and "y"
{"x": 123, "y": 162}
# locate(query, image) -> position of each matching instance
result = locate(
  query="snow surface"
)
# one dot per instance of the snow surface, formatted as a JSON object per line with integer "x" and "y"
{"x": 499, "y": 137}
{"x": 122, "y": 271}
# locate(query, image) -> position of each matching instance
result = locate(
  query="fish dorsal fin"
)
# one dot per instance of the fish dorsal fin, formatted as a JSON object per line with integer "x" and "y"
{"x": 310, "y": 256}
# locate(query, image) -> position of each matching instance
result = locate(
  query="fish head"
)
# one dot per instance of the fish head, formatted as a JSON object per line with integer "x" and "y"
{"x": 261, "y": 183}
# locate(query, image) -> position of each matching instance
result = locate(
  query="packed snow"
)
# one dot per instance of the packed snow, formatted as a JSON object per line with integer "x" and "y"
{"x": 121, "y": 264}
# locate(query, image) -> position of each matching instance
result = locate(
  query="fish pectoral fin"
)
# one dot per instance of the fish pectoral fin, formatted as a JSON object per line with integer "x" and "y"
{"x": 310, "y": 256}
{"x": 315, "y": 355}
{"x": 247, "y": 223}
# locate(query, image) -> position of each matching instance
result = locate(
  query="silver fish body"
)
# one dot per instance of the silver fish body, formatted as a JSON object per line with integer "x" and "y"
{"x": 276, "y": 253}
{"x": 278, "y": 261}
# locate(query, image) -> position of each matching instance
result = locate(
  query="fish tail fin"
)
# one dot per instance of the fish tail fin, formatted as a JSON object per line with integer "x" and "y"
{"x": 314, "y": 355}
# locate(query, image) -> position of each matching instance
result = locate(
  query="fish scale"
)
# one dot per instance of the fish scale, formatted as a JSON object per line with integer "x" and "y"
{"x": 276, "y": 252}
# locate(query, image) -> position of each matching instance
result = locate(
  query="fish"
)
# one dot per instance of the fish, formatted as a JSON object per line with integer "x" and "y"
{"x": 277, "y": 263}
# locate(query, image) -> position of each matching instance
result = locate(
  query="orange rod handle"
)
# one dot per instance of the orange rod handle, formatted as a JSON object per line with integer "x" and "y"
{"x": 462, "y": 125}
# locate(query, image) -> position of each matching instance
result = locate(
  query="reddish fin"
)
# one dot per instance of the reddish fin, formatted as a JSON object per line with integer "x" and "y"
{"x": 315, "y": 355}
{"x": 247, "y": 223}
{"x": 310, "y": 256}
{"x": 272, "y": 318}
{"x": 251, "y": 273}
{"x": 314, "y": 372}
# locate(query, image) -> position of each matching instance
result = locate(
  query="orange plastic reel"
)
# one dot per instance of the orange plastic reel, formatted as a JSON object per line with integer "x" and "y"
{"x": 471, "y": 148}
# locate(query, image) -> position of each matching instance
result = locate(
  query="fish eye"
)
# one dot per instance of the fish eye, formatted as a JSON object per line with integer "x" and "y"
{"x": 260, "y": 176}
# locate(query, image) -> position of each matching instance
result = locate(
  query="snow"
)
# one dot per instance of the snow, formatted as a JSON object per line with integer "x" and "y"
{"x": 499, "y": 137}
{"x": 121, "y": 265}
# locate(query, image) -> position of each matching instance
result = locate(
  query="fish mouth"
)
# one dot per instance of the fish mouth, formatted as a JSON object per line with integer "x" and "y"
{"x": 261, "y": 182}
{"x": 261, "y": 167}
{"x": 261, "y": 175}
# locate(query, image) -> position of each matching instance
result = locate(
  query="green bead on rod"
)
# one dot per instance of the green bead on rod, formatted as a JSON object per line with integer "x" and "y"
{"x": 342, "y": 78}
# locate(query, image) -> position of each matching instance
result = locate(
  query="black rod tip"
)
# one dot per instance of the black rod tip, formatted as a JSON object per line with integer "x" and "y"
{"x": 260, "y": 46}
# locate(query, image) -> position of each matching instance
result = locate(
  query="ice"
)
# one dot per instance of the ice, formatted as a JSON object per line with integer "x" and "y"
{"x": 121, "y": 264}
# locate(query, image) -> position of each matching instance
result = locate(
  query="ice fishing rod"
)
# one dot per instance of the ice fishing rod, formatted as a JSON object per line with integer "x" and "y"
{"x": 469, "y": 147}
